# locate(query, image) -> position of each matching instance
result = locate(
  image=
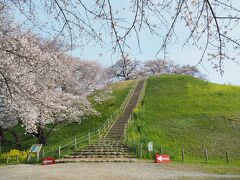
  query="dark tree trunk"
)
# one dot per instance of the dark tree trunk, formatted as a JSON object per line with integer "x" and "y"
{"x": 42, "y": 138}
{"x": 127, "y": 78}
{"x": 2, "y": 137}
{"x": 18, "y": 144}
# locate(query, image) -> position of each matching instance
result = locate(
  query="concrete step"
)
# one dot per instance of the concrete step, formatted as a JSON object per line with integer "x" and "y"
{"x": 114, "y": 137}
{"x": 117, "y": 129}
{"x": 103, "y": 150}
{"x": 99, "y": 153}
{"x": 112, "y": 133}
{"x": 95, "y": 148}
{"x": 107, "y": 145}
{"x": 119, "y": 125}
{"x": 76, "y": 160}
{"x": 101, "y": 156}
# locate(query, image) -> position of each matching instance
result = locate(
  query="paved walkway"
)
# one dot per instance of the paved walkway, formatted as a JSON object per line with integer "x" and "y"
{"x": 104, "y": 171}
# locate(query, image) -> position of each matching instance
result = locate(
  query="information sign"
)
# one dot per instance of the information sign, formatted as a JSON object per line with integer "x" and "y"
{"x": 150, "y": 146}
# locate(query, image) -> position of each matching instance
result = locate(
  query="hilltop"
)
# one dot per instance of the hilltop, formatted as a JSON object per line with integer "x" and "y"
{"x": 182, "y": 110}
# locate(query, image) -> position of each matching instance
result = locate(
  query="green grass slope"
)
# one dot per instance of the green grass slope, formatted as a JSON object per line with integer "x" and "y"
{"x": 66, "y": 132}
{"x": 184, "y": 110}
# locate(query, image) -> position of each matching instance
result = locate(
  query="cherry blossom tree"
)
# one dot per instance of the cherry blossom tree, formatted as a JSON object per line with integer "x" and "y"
{"x": 188, "y": 70}
{"x": 125, "y": 68}
{"x": 210, "y": 26}
{"x": 157, "y": 66}
{"x": 89, "y": 75}
{"x": 45, "y": 86}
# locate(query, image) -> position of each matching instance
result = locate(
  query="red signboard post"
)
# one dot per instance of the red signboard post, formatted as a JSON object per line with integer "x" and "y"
{"x": 48, "y": 161}
{"x": 162, "y": 158}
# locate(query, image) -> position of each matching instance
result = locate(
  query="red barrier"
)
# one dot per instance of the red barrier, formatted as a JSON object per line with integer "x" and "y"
{"x": 48, "y": 161}
{"x": 162, "y": 158}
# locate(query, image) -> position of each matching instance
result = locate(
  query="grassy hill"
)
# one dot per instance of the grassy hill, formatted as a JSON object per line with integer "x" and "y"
{"x": 181, "y": 110}
{"x": 66, "y": 132}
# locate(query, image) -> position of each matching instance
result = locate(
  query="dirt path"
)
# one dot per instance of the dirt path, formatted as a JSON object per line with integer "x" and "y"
{"x": 104, "y": 171}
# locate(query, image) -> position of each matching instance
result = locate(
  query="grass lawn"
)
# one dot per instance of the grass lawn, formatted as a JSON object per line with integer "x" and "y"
{"x": 64, "y": 133}
{"x": 181, "y": 110}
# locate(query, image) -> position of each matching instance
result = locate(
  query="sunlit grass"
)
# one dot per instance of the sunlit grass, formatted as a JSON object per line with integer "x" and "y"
{"x": 182, "y": 110}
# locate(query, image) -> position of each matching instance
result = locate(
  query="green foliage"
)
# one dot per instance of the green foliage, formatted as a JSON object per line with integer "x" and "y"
{"x": 182, "y": 110}
{"x": 14, "y": 156}
{"x": 66, "y": 132}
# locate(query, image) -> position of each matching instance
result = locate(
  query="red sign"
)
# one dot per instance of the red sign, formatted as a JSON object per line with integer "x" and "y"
{"x": 162, "y": 158}
{"x": 48, "y": 161}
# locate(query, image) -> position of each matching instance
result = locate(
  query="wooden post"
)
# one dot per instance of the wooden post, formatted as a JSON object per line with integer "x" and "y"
{"x": 104, "y": 128}
{"x": 43, "y": 153}
{"x": 29, "y": 157}
{"x": 140, "y": 150}
{"x": 37, "y": 157}
{"x": 89, "y": 137}
{"x": 183, "y": 158}
{"x": 99, "y": 136}
{"x": 17, "y": 159}
{"x": 206, "y": 155}
{"x": 227, "y": 157}
{"x": 59, "y": 151}
{"x": 7, "y": 160}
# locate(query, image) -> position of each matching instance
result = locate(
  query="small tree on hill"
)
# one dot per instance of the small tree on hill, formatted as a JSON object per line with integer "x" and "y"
{"x": 125, "y": 68}
{"x": 157, "y": 66}
{"x": 187, "y": 70}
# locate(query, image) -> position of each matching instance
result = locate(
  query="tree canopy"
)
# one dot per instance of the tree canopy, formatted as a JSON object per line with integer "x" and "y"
{"x": 211, "y": 26}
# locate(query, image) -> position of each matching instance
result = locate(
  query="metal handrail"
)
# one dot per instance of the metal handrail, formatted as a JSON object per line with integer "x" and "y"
{"x": 142, "y": 93}
{"x": 105, "y": 127}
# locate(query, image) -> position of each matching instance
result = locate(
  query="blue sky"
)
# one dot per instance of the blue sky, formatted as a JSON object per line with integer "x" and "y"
{"x": 149, "y": 47}
{"x": 231, "y": 70}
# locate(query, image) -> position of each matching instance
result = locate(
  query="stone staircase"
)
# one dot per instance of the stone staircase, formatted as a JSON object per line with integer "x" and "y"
{"x": 117, "y": 130}
{"x": 110, "y": 148}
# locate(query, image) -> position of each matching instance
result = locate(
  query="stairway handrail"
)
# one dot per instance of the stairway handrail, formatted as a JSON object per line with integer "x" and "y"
{"x": 140, "y": 98}
{"x": 126, "y": 101}
{"x": 106, "y": 126}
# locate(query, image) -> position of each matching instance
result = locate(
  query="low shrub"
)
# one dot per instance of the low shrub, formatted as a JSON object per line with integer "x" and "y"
{"x": 14, "y": 156}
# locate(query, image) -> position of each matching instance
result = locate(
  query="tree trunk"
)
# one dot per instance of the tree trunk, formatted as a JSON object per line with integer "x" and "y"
{"x": 18, "y": 144}
{"x": 127, "y": 78}
{"x": 2, "y": 137}
{"x": 42, "y": 138}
